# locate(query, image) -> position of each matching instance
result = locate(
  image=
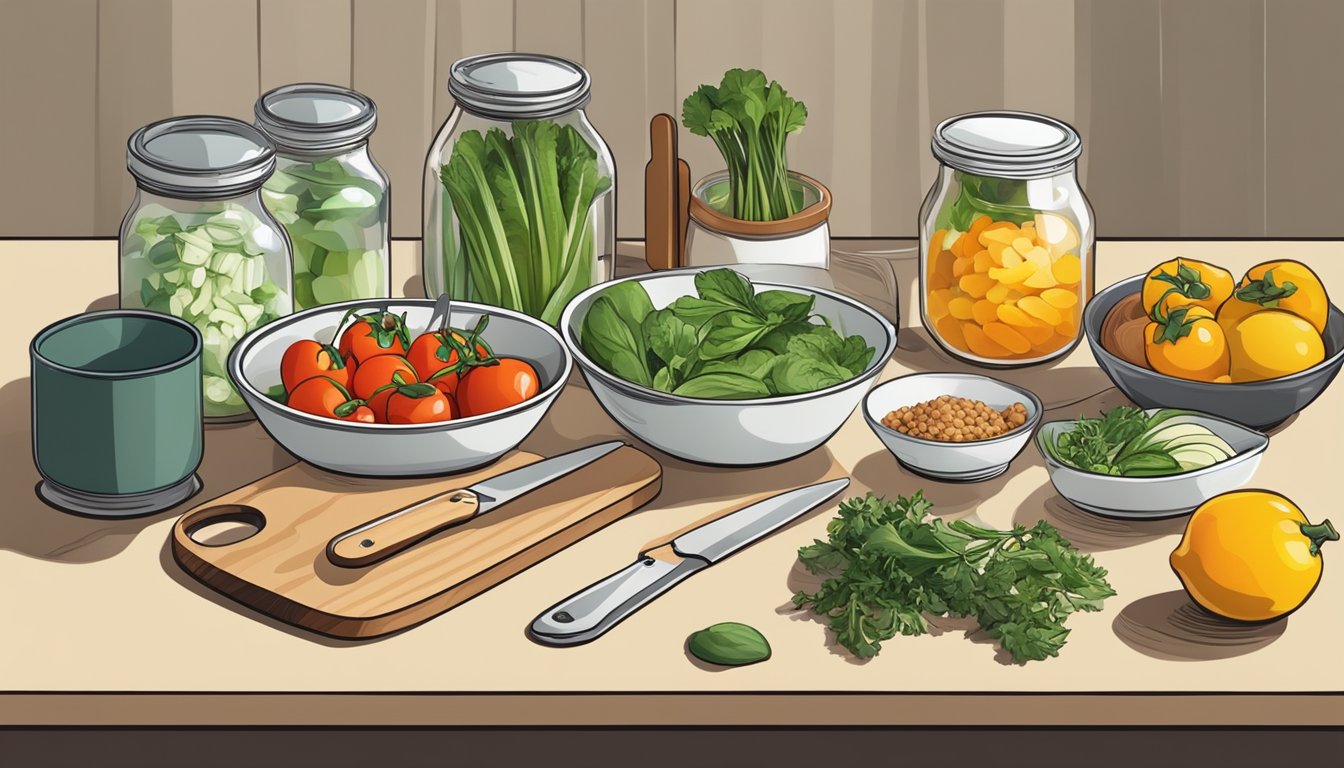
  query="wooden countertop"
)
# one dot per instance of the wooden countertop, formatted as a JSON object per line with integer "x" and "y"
{"x": 102, "y": 628}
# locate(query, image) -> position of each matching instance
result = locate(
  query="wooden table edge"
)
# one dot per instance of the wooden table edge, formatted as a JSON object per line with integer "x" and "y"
{"x": 689, "y": 709}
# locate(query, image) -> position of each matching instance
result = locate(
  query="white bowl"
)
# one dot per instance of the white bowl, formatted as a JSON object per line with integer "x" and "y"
{"x": 1152, "y": 498}
{"x": 732, "y": 432}
{"x": 951, "y": 462}
{"x": 400, "y": 450}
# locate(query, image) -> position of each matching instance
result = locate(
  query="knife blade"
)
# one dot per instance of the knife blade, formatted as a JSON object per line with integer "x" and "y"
{"x": 387, "y": 535}
{"x": 591, "y": 612}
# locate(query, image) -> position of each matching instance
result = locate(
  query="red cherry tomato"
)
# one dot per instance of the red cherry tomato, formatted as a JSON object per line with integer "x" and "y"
{"x": 489, "y": 388}
{"x": 418, "y": 404}
{"x": 374, "y": 334}
{"x": 321, "y": 396}
{"x": 431, "y": 355}
{"x": 362, "y": 414}
{"x": 306, "y": 358}
{"x": 379, "y": 371}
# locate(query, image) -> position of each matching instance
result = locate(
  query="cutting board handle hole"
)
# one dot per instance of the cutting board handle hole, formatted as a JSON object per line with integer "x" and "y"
{"x": 226, "y": 524}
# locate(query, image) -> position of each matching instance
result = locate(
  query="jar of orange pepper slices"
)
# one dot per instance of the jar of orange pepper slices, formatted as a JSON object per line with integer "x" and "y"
{"x": 1006, "y": 239}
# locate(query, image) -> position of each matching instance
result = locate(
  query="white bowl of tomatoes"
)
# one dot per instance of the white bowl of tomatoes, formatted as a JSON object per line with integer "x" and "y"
{"x": 384, "y": 388}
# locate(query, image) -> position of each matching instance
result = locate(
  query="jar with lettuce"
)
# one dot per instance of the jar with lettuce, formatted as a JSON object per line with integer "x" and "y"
{"x": 519, "y": 197}
{"x": 1006, "y": 238}
{"x": 327, "y": 191}
{"x": 198, "y": 244}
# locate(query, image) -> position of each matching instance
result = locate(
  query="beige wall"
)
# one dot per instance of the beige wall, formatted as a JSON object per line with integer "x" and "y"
{"x": 1199, "y": 117}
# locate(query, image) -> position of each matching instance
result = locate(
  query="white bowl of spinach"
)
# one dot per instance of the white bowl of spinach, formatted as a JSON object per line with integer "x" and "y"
{"x": 713, "y": 368}
{"x": 1148, "y": 464}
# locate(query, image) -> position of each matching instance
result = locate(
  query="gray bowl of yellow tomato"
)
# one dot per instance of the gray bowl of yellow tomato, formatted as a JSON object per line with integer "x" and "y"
{"x": 1186, "y": 335}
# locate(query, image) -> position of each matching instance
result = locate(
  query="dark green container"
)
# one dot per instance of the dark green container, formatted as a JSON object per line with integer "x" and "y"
{"x": 117, "y": 412}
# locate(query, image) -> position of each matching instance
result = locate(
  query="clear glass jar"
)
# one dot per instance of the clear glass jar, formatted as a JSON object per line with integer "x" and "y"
{"x": 1006, "y": 240}
{"x": 198, "y": 244}
{"x": 531, "y": 233}
{"x": 327, "y": 191}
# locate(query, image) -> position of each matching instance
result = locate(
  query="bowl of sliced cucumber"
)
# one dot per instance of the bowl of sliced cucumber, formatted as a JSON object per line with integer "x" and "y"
{"x": 1148, "y": 464}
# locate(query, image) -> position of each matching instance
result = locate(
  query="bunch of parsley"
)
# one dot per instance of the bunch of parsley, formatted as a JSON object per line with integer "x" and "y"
{"x": 889, "y": 568}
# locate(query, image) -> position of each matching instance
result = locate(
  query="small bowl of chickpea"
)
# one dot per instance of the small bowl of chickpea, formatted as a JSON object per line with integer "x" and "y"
{"x": 953, "y": 427}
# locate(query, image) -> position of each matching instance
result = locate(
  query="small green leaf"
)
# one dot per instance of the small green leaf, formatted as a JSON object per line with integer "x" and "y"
{"x": 729, "y": 644}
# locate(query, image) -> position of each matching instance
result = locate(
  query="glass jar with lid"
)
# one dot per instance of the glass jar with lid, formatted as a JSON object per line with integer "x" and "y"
{"x": 327, "y": 191}
{"x": 1006, "y": 240}
{"x": 519, "y": 198}
{"x": 198, "y": 244}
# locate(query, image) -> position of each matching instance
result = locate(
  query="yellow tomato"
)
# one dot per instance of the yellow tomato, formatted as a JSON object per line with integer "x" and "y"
{"x": 1184, "y": 282}
{"x": 1188, "y": 344}
{"x": 1272, "y": 343}
{"x": 1286, "y": 285}
{"x": 1250, "y": 555}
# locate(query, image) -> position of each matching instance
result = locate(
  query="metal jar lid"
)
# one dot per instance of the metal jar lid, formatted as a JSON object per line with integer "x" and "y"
{"x": 199, "y": 157}
{"x": 314, "y": 117}
{"x": 1013, "y": 145}
{"x": 511, "y": 86}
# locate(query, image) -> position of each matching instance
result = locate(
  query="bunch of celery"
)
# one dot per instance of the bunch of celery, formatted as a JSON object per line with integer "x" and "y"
{"x": 523, "y": 207}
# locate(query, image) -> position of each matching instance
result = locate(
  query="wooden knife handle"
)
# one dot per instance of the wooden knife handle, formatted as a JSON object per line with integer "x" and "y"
{"x": 402, "y": 529}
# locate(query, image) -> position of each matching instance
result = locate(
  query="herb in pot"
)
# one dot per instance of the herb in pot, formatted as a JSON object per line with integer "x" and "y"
{"x": 524, "y": 206}
{"x": 1127, "y": 441}
{"x": 889, "y": 566}
{"x": 725, "y": 343}
{"x": 750, "y": 122}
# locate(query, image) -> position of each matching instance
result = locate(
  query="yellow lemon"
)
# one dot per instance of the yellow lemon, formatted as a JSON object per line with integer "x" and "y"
{"x": 1250, "y": 555}
{"x": 1271, "y": 343}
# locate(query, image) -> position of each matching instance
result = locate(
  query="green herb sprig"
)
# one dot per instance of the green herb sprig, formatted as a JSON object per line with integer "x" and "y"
{"x": 890, "y": 567}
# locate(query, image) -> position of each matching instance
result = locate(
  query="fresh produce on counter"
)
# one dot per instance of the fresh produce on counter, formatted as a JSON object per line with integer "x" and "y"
{"x": 889, "y": 566}
{"x": 1129, "y": 442}
{"x": 208, "y": 268}
{"x": 1203, "y": 328}
{"x": 726, "y": 343}
{"x": 370, "y": 376}
{"x": 1005, "y": 286}
{"x": 750, "y": 122}
{"x": 951, "y": 419}
{"x": 524, "y": 206}
{"x": 1251, "y": 555}
{"x": 334, "y": 217}
{"x": 729, "y": 644}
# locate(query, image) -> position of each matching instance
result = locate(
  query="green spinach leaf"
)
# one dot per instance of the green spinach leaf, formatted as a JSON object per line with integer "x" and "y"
{"x": 723, "y": 386}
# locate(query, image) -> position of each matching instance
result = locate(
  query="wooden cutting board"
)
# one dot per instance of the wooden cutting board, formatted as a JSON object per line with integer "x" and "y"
{"x": 282, "y": 569}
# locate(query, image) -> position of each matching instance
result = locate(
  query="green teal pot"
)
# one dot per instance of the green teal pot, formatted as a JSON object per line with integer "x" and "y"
{"x": 117, "y": 412}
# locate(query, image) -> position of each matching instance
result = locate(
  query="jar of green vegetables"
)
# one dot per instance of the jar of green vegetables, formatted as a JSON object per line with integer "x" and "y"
{"x": 327, "y": 191}
{"x": 519, "y": 199}
{"x": 198, "y": 244}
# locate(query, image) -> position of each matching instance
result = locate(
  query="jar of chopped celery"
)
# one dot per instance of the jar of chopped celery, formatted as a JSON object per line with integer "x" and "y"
{"x": 519, "y": 199}
{"x": 327, "y": 191}
{"x": 1006, "y": 238}
{"x": 198, "y": 244}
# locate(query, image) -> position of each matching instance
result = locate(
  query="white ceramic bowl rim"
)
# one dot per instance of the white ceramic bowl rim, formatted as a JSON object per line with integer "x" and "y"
{"x": 1259, "y": 448}
{"x": 1125, "y": 287}
{"x": 880, "y": 356}
{"x": 541, "y": 399}
{"x": 1032, "y": 419}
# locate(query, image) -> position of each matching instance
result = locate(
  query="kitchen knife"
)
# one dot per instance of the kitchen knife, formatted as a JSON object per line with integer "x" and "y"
{"x": 396, "y": 531}
{"x": 589, "y": 613}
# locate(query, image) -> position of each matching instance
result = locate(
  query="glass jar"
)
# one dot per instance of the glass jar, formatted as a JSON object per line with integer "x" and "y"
{"x": 198, "y": 244}
{"x": 1006, "y": 240}
{"x": 520, "y": 202}
{"x": 327, "y": 191}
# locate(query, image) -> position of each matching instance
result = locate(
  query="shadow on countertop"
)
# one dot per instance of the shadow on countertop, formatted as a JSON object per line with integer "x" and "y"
{"x": 1172, "y": 627}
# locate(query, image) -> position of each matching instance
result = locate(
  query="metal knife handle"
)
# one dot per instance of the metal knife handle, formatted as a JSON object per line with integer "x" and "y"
{"x": 589, "y": 613}
{"x": 399, "y": 530}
